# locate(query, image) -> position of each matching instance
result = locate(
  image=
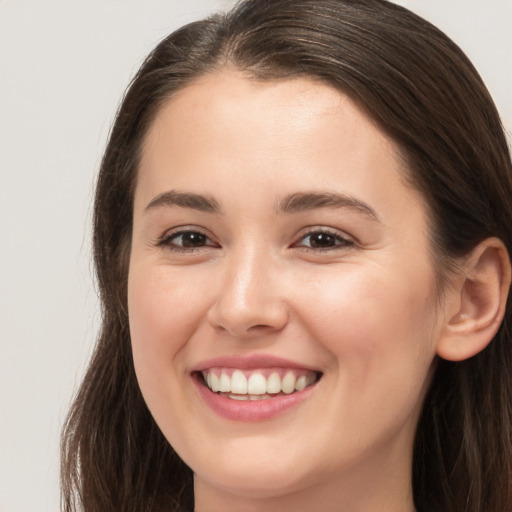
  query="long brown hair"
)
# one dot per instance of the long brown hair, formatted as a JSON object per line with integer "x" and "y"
{"x": 422, "y": 91}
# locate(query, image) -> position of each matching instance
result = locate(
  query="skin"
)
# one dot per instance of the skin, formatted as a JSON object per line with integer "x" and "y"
{"x": 364, "y": 312}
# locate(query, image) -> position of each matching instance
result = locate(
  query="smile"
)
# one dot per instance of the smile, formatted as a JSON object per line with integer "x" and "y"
{"x": 256, "y": 389}
{"x": 257, "y": 384}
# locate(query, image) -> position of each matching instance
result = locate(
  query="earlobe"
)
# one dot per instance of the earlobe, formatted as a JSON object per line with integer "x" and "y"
{"x": 480, "y": 297}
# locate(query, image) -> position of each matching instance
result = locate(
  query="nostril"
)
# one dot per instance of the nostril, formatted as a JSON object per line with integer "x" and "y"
{"x": 244, "y": 330}
{"x": 248, "y": 312}
{"x": 261, "y": 328}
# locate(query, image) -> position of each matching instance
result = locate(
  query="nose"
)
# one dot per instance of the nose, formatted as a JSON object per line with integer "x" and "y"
{"x": 250, "y": 300}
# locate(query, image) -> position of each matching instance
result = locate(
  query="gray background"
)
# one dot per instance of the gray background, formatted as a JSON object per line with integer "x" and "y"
{"x": 63, "y": 68}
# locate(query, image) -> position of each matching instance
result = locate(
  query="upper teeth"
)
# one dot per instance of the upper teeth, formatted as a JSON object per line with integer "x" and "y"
{"x": 255, "y": 382}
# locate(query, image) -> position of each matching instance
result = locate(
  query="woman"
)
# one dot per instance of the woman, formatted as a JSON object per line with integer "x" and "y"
{"x": 302, "y": 239}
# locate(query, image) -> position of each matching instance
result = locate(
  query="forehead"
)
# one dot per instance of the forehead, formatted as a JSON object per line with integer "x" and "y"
{"x": 298, "y": 133}
{"x": 231, "y": 95}
{"x": 267, "y": 114}
{"x": 225, "y": 90}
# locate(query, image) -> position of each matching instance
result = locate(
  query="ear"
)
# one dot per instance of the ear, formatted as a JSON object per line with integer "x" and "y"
{"x": 477, "y": 302}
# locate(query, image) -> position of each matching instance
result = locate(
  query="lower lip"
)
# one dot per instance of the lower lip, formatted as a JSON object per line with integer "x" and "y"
{"x": 250, "y": 410}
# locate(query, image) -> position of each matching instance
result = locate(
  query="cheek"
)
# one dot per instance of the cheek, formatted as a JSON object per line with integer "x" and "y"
{"x": 380, "y": 328}
{"x": 163, "y": 311}
{"x": 163, "y": 314}
{"x": 374, "y": 305}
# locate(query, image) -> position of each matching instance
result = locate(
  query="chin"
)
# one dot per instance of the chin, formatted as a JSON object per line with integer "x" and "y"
{"x": 255, "y": 479}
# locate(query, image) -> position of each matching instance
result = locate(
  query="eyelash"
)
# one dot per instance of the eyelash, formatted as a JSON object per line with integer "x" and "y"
{"x": 340, "y": 242}
{"x": 168, "y": 241}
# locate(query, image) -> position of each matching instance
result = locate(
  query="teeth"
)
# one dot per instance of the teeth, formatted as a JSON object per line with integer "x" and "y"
{"x": 274, "y": 383}
{"x": 225, "y": 383}
{"x": 301, "y": 383}
{"x": 239, "y": 397}
{"x": 215, "y": 382}
{"x": 240, "y": 385}
{"x": 288, "y": 383}
{"x": 259, "y": 397}
{"x": 257, "y": 384}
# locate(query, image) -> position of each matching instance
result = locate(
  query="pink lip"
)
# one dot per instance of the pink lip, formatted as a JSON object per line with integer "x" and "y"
{"x": 248, "y": 410}
{"x": 249, "y": 362}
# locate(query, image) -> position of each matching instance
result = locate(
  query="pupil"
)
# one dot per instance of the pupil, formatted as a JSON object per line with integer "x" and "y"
{"x": 322, "y": 240}
{"x": 193, "y": 239}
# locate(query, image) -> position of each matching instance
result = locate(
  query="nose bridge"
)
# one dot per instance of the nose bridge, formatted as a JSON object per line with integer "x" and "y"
{"x": 249, "y": 272}
{"x": 249, "y": 300}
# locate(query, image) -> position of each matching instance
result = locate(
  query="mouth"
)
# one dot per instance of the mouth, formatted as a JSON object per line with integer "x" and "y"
{"x": 257, "y": 384}
{"x": 254, "y": 388}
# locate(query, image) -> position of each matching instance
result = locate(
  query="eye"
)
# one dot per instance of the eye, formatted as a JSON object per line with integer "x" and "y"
{"x": 323, "y": 239}
{"x": 185, "y": 240}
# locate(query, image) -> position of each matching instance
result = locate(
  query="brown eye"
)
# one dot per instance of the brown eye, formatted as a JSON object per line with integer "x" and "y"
{"x": 324, "y": 240}
{"x": 187, "y": 239}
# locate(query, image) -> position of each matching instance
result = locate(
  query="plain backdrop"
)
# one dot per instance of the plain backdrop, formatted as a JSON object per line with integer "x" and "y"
{"x": 63, "y": 68}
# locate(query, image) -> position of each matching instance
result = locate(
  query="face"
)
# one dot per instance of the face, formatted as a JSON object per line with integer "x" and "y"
{"x": 281, "y": 294}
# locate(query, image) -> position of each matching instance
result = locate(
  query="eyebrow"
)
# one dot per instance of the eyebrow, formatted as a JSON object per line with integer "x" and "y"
{"x": 298, "y": 202}
{"x": 185, "y": 200}
{"x": 303, "y": 201}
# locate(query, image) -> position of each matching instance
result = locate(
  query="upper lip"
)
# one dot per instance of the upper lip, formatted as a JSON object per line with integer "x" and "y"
{"x": 250, "y": 362}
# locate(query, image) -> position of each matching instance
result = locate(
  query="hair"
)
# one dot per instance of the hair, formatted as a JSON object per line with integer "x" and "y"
{"x": 421, "y": 90}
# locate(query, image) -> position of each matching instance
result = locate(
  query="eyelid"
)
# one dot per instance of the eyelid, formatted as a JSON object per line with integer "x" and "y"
{"x": 165, "y": 240}
{"x": 343, "y": 240}
{"x": 341, "y": 236}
